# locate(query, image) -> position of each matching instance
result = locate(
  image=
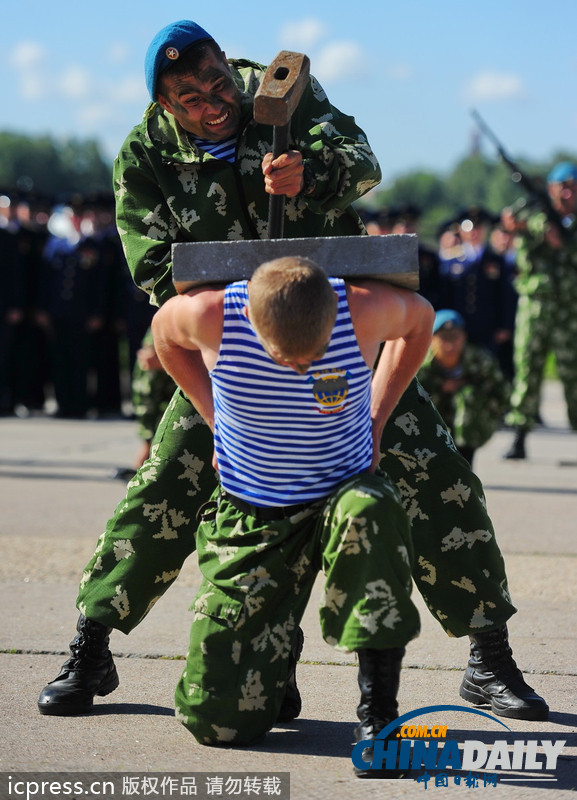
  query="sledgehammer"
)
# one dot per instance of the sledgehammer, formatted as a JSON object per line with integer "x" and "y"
{"x": 274, "y": 103}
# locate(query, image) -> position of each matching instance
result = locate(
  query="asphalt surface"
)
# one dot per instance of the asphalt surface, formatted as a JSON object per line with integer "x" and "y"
{"x": 56, "y": 494}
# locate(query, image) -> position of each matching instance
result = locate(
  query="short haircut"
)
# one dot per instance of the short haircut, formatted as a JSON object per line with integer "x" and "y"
{"x": 292, "y": 305}
{"x": 188, "y": 63}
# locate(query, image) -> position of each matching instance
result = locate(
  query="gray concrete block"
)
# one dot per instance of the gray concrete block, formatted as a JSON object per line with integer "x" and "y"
{"x": 392, "y": 258}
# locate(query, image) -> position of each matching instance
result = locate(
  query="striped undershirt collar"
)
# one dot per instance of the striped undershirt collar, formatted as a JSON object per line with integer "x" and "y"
{"x": 224, "y": 150}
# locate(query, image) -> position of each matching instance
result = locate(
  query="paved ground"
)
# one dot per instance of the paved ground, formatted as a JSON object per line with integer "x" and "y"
{"x": 55, "y": 497}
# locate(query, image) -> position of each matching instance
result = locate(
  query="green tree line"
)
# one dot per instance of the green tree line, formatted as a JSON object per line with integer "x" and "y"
{"x": 52, "y": 166}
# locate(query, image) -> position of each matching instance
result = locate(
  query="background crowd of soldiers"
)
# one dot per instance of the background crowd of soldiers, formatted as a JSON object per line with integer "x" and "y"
{"x": 470, "y": 268}
{"x": 71, "y": 319}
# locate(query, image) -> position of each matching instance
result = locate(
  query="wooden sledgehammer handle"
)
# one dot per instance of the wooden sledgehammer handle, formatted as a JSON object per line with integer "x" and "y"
{"x": 275, "y": 101}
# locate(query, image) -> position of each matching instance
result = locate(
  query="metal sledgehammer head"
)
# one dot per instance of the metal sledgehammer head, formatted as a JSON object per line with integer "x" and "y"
{"x": 281, "y": 89}
{"x": 392, "y": 258}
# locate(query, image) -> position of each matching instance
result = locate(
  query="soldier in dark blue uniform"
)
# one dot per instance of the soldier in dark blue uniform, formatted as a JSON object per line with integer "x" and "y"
{"x": 476, "y": 284}
{"x": 31, "y": 361}
{"x": 72, "y": 302}
{"x": 503, "y": 243}
{"x": 405, "y": 219}
{"x": 106, "y": 340}
{"x": 8, "y": 311}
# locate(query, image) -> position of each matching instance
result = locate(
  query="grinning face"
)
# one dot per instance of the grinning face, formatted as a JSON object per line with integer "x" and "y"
{"x": 206, "y": 103}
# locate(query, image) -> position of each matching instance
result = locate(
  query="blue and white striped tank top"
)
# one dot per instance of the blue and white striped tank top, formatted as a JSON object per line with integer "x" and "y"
{"x": 282, "y": 438}
{"x": 225, "y": 150}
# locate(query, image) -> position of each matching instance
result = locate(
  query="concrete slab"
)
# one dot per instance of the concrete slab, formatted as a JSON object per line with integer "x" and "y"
{"x": 392, "y": 258}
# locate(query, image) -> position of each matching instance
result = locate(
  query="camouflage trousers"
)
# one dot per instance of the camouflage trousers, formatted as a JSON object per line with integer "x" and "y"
{"x": 257, "y": 580}
{"x": 543, "y": 324}
{"x": 458, "y": 567}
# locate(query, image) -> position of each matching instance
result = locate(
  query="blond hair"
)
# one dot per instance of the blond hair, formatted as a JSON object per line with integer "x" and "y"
{"x": 292, "y": 305}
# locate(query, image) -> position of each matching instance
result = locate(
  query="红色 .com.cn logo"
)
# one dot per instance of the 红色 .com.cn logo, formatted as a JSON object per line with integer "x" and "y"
{"x": 405, "y": 747}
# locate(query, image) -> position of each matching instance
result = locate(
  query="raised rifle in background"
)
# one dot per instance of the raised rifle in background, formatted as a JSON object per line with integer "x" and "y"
{"x": 536, "y": 193}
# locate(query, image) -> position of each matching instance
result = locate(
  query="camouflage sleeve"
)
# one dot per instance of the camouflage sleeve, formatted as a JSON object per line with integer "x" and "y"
{"x": 336, "y": 152}
{"x": 534, "y": 235}
{"x": 145, "y": 234}
{"x": 534, "y": 256}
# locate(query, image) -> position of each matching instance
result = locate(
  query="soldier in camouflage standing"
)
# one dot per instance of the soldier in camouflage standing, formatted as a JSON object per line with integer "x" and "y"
{"x": 547, "y": 287}
{"x": 199, "y": 168}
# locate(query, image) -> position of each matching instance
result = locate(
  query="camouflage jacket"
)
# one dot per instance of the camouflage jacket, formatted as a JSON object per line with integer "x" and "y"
{"x": 167, "y": 190}
{"x": 542, "y": 269}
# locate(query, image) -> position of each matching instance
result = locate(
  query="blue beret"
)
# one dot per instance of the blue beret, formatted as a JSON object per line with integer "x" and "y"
{"x": 563, "y": 171}
{"x": 167, "y": 46}
{"x": 448, "y": 315}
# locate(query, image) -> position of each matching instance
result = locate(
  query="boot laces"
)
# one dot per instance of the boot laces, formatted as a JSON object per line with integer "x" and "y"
{"x": 496, "y": 653}
{"x": 87, "y": 644}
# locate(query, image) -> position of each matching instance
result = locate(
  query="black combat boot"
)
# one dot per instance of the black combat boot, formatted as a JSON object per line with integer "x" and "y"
{"x": 292, "y": 704}
{"x": 517, "y": 449}
{"x": 493, "y": 678}
{"x": 379, "y": 677}
{"x": 90, "y": 670}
